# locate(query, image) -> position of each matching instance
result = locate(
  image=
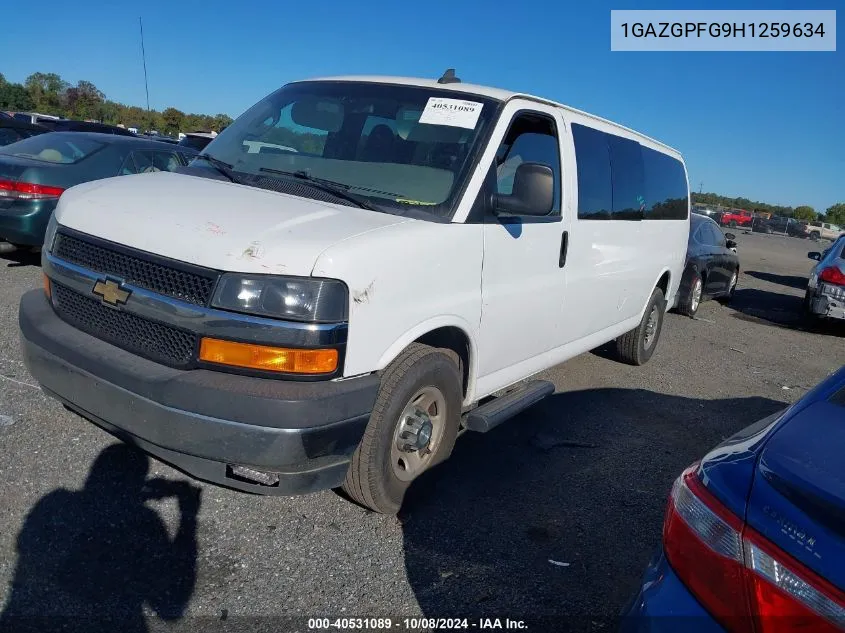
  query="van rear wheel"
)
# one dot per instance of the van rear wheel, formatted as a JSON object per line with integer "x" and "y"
{"x": 638, "y": 345}
{"x": 413, "y": 427}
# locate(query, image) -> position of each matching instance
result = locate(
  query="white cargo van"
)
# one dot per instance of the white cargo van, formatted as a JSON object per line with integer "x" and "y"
{"x": 284, "y": 321}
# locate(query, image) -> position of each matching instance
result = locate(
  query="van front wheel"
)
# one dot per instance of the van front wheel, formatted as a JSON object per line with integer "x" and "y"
{"x": 637, "y": 346}
{"x": 413, "y": 427}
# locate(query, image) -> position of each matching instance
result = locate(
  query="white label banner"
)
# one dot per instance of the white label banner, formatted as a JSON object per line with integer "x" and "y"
{"x": 723, "y": 30}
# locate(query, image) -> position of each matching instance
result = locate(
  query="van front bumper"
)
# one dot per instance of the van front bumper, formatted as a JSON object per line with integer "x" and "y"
{"x": 205, "y": 423}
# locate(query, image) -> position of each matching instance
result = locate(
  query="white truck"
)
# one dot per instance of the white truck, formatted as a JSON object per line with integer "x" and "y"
{"x": 824, "y": 230}
{"x": 286, "y": 321}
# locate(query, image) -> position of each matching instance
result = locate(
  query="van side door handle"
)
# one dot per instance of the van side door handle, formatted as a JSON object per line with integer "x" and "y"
{"x": 564, "y": 246}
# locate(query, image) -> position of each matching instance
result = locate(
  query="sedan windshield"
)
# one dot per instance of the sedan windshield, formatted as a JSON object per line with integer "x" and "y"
{"x": 393, "y": 147}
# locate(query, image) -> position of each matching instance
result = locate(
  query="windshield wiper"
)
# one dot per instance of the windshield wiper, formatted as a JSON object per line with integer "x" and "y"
{"x": 224, "y": 168}
{"x": 337, "y": 189}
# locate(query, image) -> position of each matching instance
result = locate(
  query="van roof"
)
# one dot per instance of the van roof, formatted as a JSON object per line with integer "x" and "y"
{"x": 484, "y": 91}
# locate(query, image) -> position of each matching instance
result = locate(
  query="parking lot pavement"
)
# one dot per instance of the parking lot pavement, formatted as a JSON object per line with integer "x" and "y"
{"x": 580, "y": 479}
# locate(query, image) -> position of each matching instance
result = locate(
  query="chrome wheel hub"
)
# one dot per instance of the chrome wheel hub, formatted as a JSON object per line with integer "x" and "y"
{"x": 696, "y": 295}
{"x": 418, "y": 433}
{"x": 651, "y": 327}
{"x": 415, "y": 432}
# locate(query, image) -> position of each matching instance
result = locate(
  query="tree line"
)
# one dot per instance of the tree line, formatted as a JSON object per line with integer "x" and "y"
{"x": 835, "y": 213}
{"x": 48, "y": 93}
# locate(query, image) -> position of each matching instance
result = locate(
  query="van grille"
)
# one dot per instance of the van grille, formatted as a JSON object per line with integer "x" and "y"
{"x": 156, "y": 341}
{"x": 193, "y": 287}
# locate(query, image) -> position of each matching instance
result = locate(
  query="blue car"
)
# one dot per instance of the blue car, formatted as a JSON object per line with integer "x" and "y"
{"x": 754, "y": 534}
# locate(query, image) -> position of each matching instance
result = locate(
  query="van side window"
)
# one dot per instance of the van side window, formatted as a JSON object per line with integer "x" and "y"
{"x": 626, "y": 168}
{"x": 531, "y": 138}
{"x": 666, "y": 187}
{"x": 592, "y": 158}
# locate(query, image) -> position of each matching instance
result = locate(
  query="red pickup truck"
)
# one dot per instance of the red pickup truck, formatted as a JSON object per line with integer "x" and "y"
{"x": 736, "y": 217}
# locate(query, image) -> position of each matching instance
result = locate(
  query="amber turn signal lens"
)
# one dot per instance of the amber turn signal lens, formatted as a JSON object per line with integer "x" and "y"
{"x": 250, "y": 356}
{"x": 47, "y": 290}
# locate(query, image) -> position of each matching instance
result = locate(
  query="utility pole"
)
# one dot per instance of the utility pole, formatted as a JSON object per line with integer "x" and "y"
{"x": 700, "y": 187}
{"x": 144, "y": 60}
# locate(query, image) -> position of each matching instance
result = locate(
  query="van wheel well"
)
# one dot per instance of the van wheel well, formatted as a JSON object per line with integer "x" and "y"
{"x": 454, "y": 339}
{"x": 663, "y": 284}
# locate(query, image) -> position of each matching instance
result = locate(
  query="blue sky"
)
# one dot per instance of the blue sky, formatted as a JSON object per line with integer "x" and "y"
{"x": 768, "y": 126}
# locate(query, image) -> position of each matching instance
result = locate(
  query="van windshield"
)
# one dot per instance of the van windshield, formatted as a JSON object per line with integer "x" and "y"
{"x": 397, "y": 148}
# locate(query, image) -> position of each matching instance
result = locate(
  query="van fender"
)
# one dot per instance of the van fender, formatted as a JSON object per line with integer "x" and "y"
{"x": 429, "y": 325}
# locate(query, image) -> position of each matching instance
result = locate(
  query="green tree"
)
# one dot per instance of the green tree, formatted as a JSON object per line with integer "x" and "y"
{"x": 804, "y": 213}
{"x": 836, "y": 214}
{"x": 221, "y": 121}
{"x": 83, "y": 101}
{"x": 15, "y": 97}
{"x": 173, "y": 119}
{"x": 46, "y": 90}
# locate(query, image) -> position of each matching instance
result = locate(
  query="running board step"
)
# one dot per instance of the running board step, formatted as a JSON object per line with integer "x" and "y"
{"x": 498, "y": 410}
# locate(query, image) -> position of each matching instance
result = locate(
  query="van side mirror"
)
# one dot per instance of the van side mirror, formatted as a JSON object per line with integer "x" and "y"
{"x": 815, "y": 255}
{"x": 730, "y": 236}
{"x": 533, "y": 192}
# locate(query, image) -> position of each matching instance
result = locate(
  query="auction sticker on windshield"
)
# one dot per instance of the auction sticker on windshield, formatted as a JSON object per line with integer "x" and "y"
{"x": 454, "y": 112}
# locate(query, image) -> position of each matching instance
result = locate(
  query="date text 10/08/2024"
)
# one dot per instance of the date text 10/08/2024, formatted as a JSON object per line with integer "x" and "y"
{"x": 416, "y": 624}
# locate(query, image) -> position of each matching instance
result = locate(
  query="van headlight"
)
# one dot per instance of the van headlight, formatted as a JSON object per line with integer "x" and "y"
{"x": 293, "y": 298}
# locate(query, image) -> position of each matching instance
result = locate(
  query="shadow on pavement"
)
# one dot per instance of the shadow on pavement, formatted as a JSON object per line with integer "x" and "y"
{"x": 790, "y": 281}
{"x": 557, "y": 512}
{"x": 17, "y": 259}
{"x": 767, "y": 306}
{"x": 781, "y": 310}
{"x": 91, "y": 560}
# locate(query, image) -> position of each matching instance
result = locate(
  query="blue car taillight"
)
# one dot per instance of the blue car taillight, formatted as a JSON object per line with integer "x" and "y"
{"x": 746, "y": 582}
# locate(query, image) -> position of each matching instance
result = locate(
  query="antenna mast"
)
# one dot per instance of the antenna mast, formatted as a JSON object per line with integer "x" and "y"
{"x": 144, "y": 60}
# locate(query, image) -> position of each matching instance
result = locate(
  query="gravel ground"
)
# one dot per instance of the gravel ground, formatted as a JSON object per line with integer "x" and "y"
{"x": 580, "y": 479}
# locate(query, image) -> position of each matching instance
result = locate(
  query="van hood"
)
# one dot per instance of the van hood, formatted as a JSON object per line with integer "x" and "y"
{"x": 214, "y": 223}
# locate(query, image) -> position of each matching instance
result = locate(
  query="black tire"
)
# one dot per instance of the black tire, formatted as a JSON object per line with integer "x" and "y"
{"x": 811, "y": 319}
{"x": 815, "y": 236}
{"x": 631, "y": 346}
{"x": 370, "y": 480}
{"x": 728, "y": 297}
{"x": 687, "y": 304}
{"x": 808, "y": 295}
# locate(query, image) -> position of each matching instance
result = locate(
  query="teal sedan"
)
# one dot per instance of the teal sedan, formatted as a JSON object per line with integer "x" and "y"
{"x": 36, "y": 171}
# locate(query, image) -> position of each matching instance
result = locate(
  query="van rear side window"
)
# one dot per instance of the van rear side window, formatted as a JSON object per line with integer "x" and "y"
{"x": 666, "y": 187}
{"x": 619, "y": 179}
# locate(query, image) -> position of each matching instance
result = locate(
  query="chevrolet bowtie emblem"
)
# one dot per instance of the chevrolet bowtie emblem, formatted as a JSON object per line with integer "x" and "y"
{"x": 111, "y": 292}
